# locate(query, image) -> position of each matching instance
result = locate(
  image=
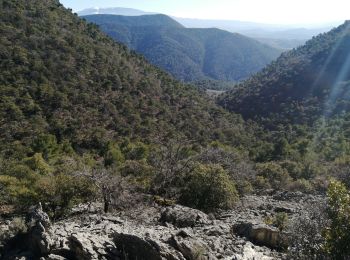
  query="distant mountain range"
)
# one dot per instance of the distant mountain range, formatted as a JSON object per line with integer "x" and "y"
{"x": 259, "y": 30}
{"x": 188, "y": 54}
{"x": 302, "y": 85}
{"x": 113, "y": 10}
{"x": 279, "y": 36}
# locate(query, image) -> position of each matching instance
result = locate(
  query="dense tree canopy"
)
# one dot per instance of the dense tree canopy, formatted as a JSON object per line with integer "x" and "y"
{"x": 301, "y": 85}
{"x": 186, "y": 53}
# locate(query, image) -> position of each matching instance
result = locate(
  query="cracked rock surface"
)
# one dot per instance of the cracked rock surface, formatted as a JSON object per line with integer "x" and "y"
{"x": 153, "y": 232}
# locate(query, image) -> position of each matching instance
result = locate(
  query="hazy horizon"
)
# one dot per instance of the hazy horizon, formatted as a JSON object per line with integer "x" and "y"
{"x": 284, "y": 12}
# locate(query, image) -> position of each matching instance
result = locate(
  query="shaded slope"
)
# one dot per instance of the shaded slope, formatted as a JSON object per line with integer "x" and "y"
{"x": 303, "y": 84}
{"x": 188, "y": 54}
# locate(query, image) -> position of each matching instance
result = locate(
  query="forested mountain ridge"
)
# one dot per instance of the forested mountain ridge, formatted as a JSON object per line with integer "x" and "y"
{"x": 284, "y": 37}
{"x": 62, "y": 76}
{"x": 302, "y": 85}
{"x": 188, "y": 54}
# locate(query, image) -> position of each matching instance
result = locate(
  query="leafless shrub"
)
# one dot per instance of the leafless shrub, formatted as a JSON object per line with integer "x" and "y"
{"x": 305, "y": 233}
{"x": 112, "y": 188}
{"x": 172, "y": 161}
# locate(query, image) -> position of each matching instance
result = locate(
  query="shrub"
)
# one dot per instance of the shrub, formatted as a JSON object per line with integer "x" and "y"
{"x": 58, "y": 193}
{"x": 136, "y": 151}
{"x": 113, "y": 155}
{"x": 280, "y": 220}
{"x": 138, "y": 172}
{"x": 261, "y": 183}
{"x": 337, "y": 234}
{"x": 38, "y": 164}
{"x": 274, "y": 173}
{"x": 45, "y": 144}
{"x": 209, "y": 187}
{"x": 301, "y": 185}
{"x": 14, "y": 191}
{"x": 305, "y": 233}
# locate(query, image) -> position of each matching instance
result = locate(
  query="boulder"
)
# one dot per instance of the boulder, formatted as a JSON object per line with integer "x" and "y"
{"x": 282, "y": 209}
{"x": 136, "y": 247}
{"x": 82, "y": 247}
{"x": 260, "y": 234}
{"x": 190, "y": 247}
{"x": 55, "y": 257}
{"x": 36, "y": 215}
{"x": 36, "y": 242}
{"x": 182, "y": 217}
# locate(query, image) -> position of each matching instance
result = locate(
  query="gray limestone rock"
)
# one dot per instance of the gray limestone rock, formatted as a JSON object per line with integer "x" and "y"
{"x": 181, "y": 216}
{"x": 192, "y": 248}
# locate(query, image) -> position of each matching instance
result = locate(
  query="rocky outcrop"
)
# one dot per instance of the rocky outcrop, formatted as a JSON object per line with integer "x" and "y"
{"x": 37, "y": 241}
{"x": 134, "y": 247}
{"x": 39, "y": 237}
{"x": 260, "y": 234}
{"x": 181, "y": 216}
{"x": 152, "y": 232}
{"x": 139, "y": 247}
{"x": 191, "y": 247}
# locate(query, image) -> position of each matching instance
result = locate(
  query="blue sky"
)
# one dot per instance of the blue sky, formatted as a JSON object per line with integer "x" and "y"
{"x": 267, "y": 11}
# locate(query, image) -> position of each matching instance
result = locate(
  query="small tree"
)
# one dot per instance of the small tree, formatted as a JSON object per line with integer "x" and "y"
{"x": 172, "y": 161}
{"x": 109, "y": 185}
{"x": 209, "y": 187}
{"x": 338, "y": 234}
{"x": 281, "y": 221}
{"x": 234, "y": 162}
{"x": 304, "y": 234}
{"x": 274, "y": 173}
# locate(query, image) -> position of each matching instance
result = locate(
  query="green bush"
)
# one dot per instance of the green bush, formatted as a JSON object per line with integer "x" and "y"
{"x": 276, "y": 176}
{"x": 113, "y": 155}
{"x": 38, "y": 164}
{"x": 337, "y": 235}
{"x": 209, "y": 187}
{"x": 280, "y": 220}
{"x": 136, "y": 151}
{"x": 58, "y": 193}
{"x": 45, "y": 144}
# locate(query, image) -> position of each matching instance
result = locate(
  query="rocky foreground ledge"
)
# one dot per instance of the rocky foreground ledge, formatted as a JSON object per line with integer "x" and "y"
{"x": 155, "y": 232}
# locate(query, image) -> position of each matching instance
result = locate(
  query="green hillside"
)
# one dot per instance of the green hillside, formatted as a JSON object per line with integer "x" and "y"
{"x": 188, "y": 54}
{"x": 63, "y": 76}
{"x": 73, "y": 101}
{"x": 302, "y": 85}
